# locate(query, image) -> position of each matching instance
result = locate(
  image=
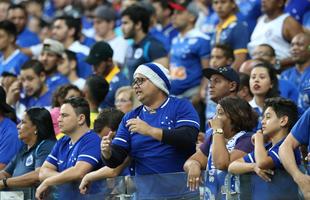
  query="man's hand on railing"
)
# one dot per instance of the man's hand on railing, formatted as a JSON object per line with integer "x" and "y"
{"x": 85, "y": 183}
{"x": 264, "y": 173}
{"x": 106, "y": 145}
{"x": 194, "y": 176}
{"x": 42, "y": 191}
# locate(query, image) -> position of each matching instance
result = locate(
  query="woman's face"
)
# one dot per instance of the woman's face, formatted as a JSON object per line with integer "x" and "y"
{"x": 224, "y": 117}
{"x": 260, "y": 82}
{"x": 123, "y": 102}
{"x": 26, "y": 129}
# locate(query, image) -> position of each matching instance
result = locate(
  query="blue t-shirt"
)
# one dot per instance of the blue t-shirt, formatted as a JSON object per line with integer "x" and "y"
{"x": 234, "y": 33}
{"x": 250, "y": 11}
{"x": 147, "y": 50}
{"x": 170, "y": 32}
{"x": 65, "y": 154}
{"x": 297, "y": 9}
{"x": 28, "y": 160}
{"x": 301, "y": 130}
{"x": 292, "y": 75}
{"x": 56, "y": 80}
{"x": 304, "y": 90}
{"x": 216, "y": 179}
{"x": 43, "y": 101}
{"x": 185, "y": 60}
{"x": 13, "y": 63}
{"x": 150, "y": 155}
{"x": 84, "y": 70}
{"x": 288, "y": 90}
{"x": 158, "y": 35}
{"x": 119, "y": 80}
{"x": 88, "y": 41}
{"x": 9, "y": 142}
{"x": 27, "y": 38}
{"x": 273, "y": 152}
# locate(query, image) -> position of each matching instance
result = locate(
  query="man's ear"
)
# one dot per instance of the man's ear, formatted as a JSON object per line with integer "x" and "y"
{"x": 233, "y": 86}
{"x": 81, "y": 119}
{"x": 284, "y": 121}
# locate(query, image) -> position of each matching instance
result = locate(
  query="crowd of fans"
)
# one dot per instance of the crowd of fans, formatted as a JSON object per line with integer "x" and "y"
{"x": 93, "y": 89}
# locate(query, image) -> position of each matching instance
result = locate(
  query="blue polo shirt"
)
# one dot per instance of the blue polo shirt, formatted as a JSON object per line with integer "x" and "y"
{"x": 152, "y": 156}
{"x": 9, "y": 142}
{"x": 13, "y": 63}
{"x": 65, "y": 154}
{"x": 147, "y": 50}
{"x": 297, "y": 9}
{"x": 273, "y": 152}
{"x": 43, "y": 101}
{"x": 250, "y": 11}
{"x": 185, "y": 60}
{"x": 27, "y": 160}
{"x": 288, "y": 90}
{"x": 27, "y": 38}
{"x": 56, "y": 80}
{"x": 234, "y": 33}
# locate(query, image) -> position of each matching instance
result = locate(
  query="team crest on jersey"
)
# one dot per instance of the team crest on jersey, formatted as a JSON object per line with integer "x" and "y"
{"x": 138, "y": 53}
{"x": 29, "y": 161}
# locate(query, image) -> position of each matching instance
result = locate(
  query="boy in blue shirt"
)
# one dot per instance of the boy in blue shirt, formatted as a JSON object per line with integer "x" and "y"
{"x": 279, "y": 117}
{"x": 75, "y": 154}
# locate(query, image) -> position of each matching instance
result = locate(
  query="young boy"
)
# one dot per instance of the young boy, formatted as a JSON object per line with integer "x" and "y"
{"x": 279, "y": 117}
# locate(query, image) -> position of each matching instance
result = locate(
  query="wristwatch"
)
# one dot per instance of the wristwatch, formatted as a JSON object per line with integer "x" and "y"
{"x": 218, "y": 131}
{"x": 5, "y": 183}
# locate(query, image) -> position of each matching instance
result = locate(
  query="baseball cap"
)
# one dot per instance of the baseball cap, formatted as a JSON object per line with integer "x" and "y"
{"x": 188, "y": 5}
{"x": 227, "y": 72}
{"x": 105, "y": 13}
{"x": 53, "y": 46}
{"x": 4, "y": 107}
{"x": 99, "y": 52}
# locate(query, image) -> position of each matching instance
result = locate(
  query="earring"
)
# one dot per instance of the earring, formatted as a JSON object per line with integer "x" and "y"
{"x": 35, "y": 132}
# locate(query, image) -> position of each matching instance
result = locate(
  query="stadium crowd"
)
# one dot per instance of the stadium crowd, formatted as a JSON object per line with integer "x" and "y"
{"x": 95, "y": 89}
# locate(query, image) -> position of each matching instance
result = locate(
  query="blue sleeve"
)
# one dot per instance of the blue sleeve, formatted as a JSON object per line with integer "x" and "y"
{"x": 156, "y": 50}
{"x": 249, "y": 158}
{"x": 90, "y": 150}
{"x": 122, "y": 137}
{"x": 301, "y": 130}
{"x": 274, "y": 154}
{"x": 240, "y": 37}
{"x": 42, "y": 151}
{"x": 186, "y": 115}
{"x": 205, "y": 146}
{"x": 12, "y": 165}
{"x": 204, "y": 48}
{"x": 244, "y": 144}
{"x": 53, "y": 156}
{"x": 9, "y": 144}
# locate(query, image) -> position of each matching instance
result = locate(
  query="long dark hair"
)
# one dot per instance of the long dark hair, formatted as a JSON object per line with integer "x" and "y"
{"x": 42, "y": 119}
{"x": 241, "y": 114}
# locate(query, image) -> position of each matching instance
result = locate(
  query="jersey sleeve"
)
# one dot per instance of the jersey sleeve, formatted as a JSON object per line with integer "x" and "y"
{"x": 11, "y": 166}
{"x": 90, "y": 150}
{"x": 205, "y": 146}
{"x": 301, "y": 130}
{"x": 240, "y": 38}
{"x": 274, "y": 154}
{"x": 53, "y": 156}
{"x": 244, "y": 144}
{"x": 122, "y": 137}
{"x": 9, "y": 145}
{"x": 42, "y": 151}
{"x": 249, "y": 158}
{"x": 204, "y": 48}
{"x": 186, "y": 115}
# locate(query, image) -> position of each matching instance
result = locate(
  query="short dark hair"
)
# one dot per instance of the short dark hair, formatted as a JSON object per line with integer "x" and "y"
{"x": 245, "y": 82}
{"x": 98, "y": 88}
{"x": 272, "y": 51}
{"x": 36, "y": 65}
{"x": 138, "y": 14}
{"x": 108, "y": 117}
{"x": 18, "y": 6}
{"x": 9, "y": 27}
{"x": 72, "y": 22}
{"x": 274, "y": 91}
{"x": 42, "y": 119}
{"x": 80, "y": 106}
{"x": 227, "y": 50}
{"x": 283, "y": 107}
{"x": 61, "y": 92}
{"x": 71, "y": 55}
{"x": 241, "y": 114}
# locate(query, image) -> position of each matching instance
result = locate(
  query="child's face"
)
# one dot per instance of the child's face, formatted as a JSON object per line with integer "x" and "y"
{"x": 271, "y": 124}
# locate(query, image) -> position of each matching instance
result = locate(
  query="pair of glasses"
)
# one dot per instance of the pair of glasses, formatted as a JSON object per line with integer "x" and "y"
{"x": 138, "y": 81}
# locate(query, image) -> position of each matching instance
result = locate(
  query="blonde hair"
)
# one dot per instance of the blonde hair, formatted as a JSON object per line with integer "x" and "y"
{"x": 133, "y": 98}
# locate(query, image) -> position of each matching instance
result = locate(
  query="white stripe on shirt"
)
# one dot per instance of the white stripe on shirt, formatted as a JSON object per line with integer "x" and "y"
{"x": 120, "y": 139}
{"x": 251, "y": 159}
{"x": 186, "y": 120}
{"x": 275, "y": 154}
{"x": 88, "y": 156}
{"x": 53, "y": 157}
